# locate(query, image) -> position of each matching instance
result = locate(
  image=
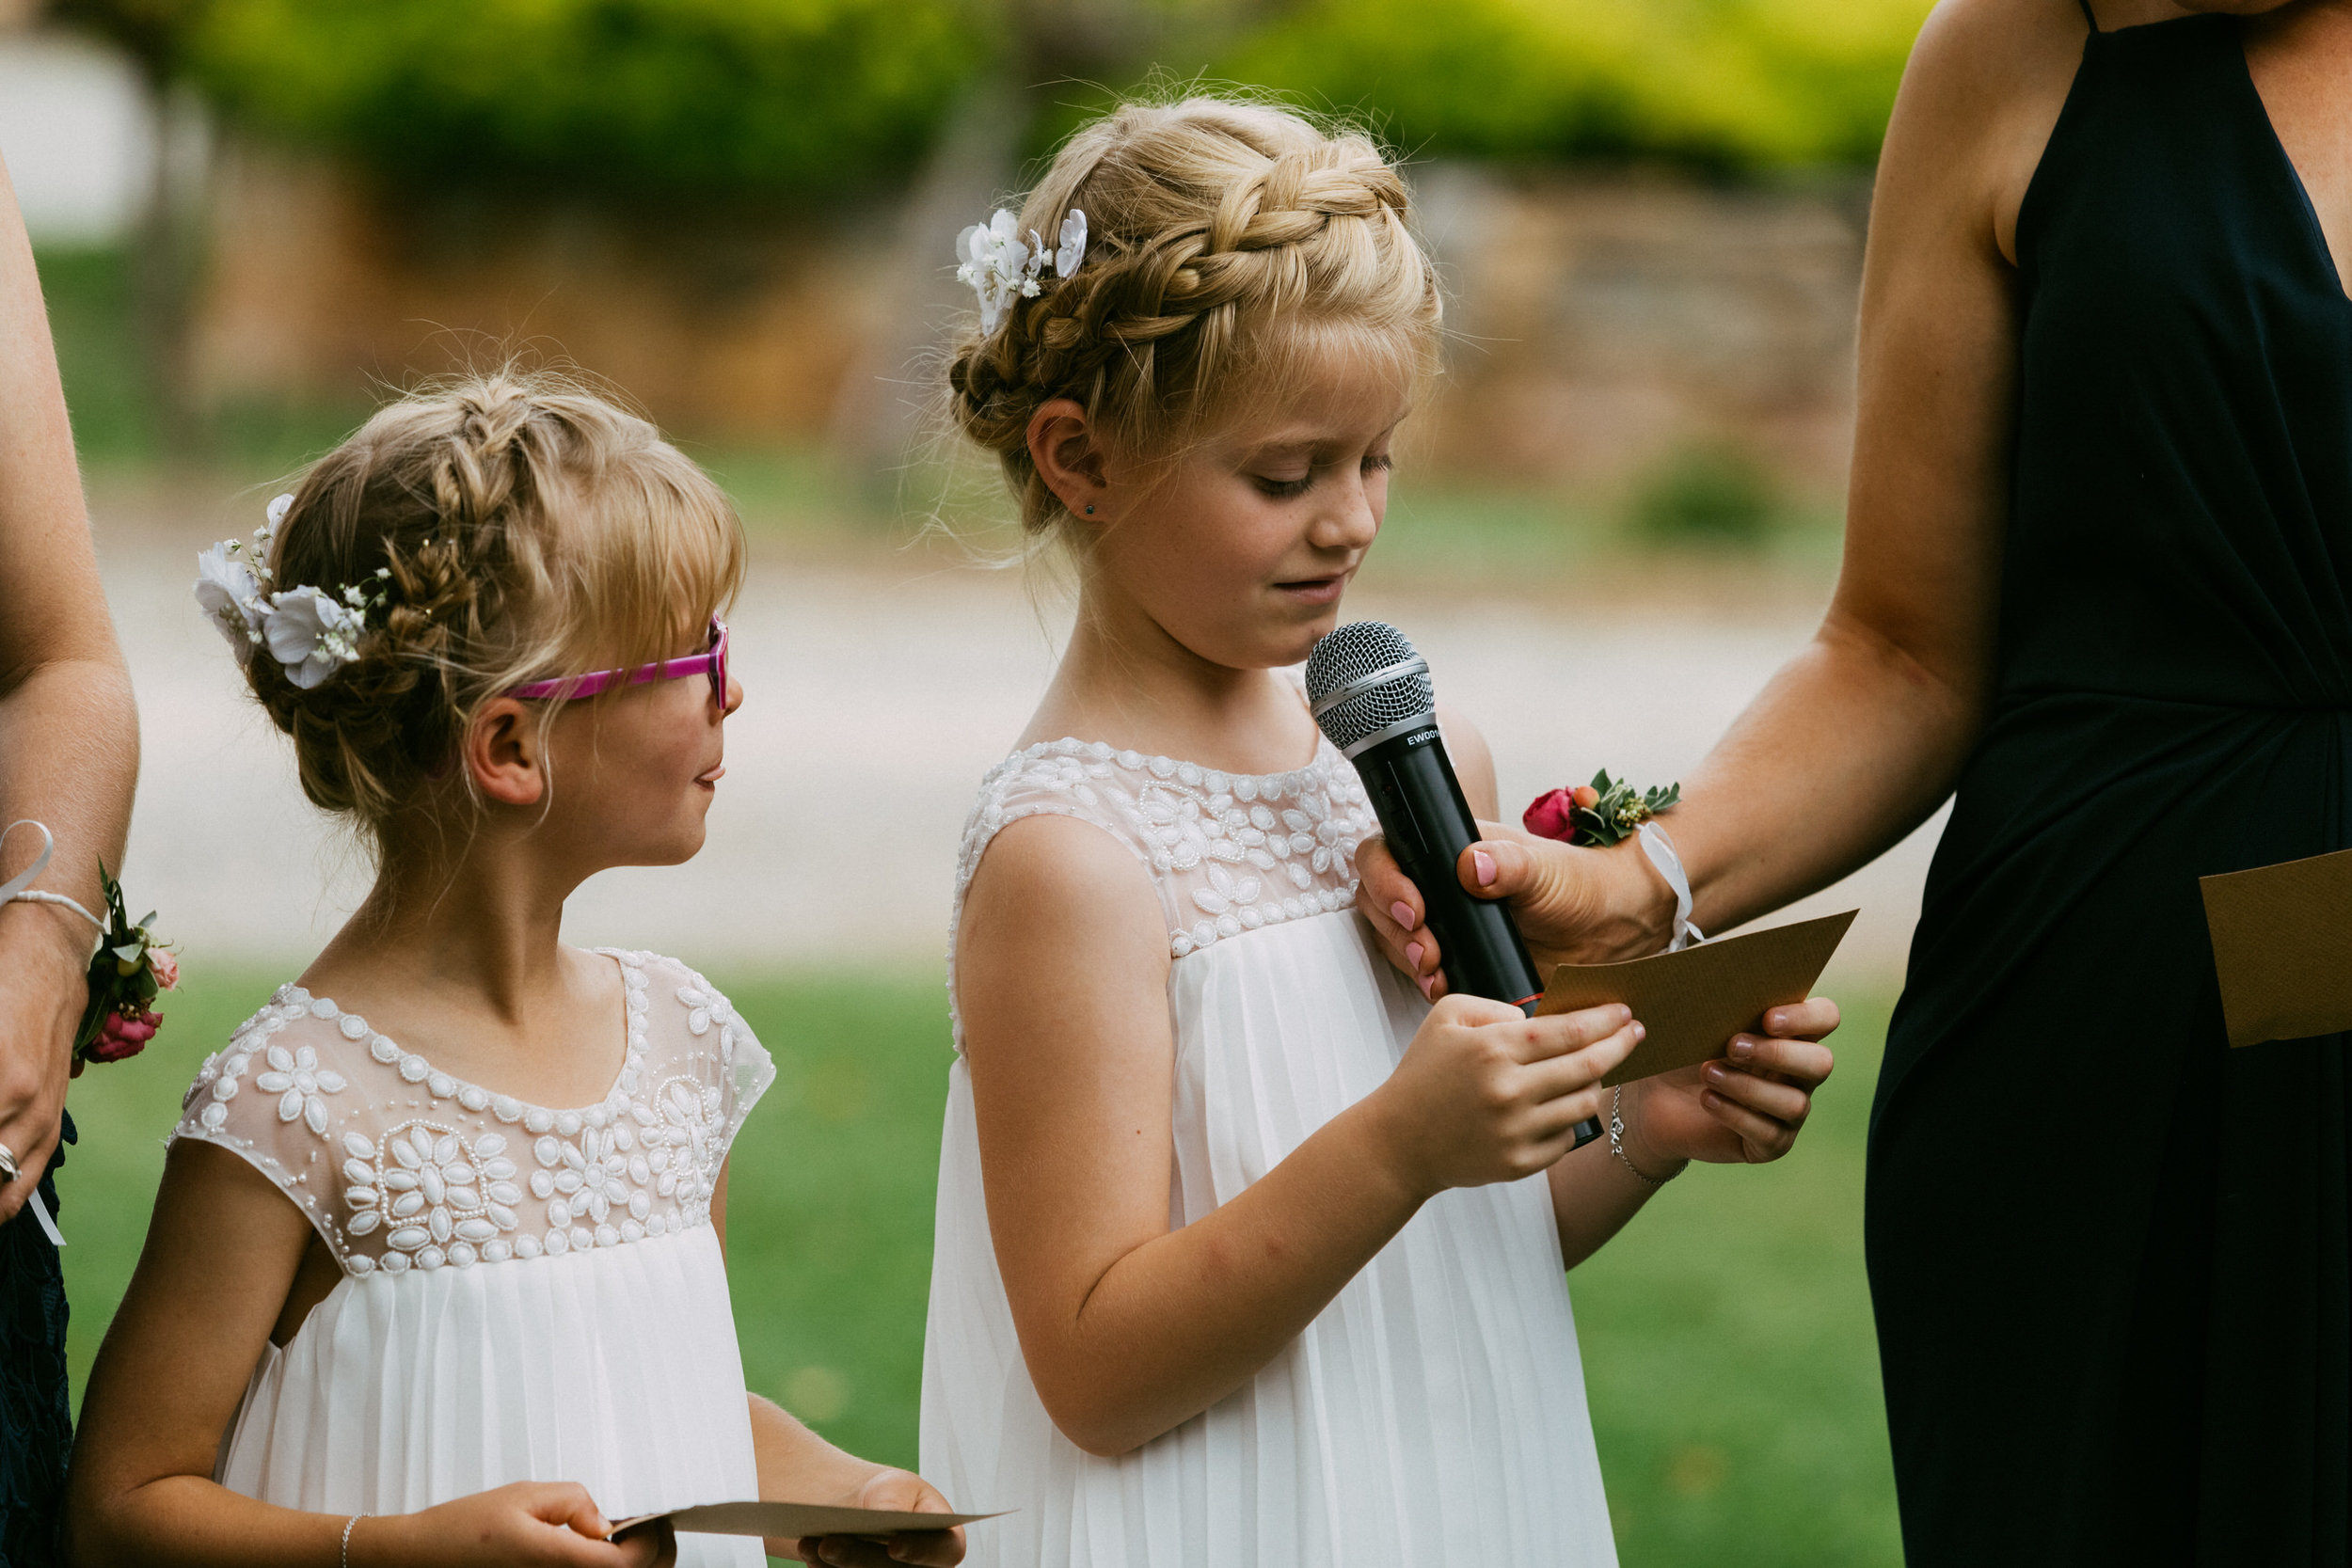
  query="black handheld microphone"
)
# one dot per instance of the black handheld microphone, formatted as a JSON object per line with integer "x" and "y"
{"x": 1371, "y": 697}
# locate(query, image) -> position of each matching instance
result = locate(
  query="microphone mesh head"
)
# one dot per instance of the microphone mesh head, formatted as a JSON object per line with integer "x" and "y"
{"x": 1351, "y": 653}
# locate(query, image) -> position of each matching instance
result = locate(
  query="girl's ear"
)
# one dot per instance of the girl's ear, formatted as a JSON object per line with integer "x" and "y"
{"x": 503, "y": 754}
{"x": 1062, "y": 444}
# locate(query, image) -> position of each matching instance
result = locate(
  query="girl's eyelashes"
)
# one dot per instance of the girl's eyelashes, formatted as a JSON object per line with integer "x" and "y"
{"x": 1285, "y": 490}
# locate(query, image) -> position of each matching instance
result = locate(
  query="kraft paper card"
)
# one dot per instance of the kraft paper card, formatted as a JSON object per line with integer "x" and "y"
{"x": 2282, "y": 948}
{"x": 1693, "y": 1002}
{"x": 795, "y": 1520}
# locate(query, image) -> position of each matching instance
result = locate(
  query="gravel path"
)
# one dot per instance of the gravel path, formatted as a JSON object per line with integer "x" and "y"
{"x": 878, "y": 691}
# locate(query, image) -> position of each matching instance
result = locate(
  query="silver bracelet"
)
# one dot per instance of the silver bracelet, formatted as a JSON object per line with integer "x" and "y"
{"x": 1617, "y": 1142}
{"x": 349, "y": 1525}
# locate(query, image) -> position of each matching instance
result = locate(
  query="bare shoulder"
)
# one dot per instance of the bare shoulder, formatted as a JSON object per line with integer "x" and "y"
{"x": 1056, "y": 896}
{"x": 1983, "y": 89}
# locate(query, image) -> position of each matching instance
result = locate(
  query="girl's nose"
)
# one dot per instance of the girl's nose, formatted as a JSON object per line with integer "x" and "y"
{"x": 1352, "y": 523}
{"x": 735, "y": 696}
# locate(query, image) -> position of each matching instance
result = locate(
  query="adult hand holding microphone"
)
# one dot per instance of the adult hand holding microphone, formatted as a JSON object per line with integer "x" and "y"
{"x": 1440, "y": 890}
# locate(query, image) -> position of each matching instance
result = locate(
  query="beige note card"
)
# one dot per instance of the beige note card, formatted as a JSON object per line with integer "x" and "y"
{"x": 1693, "y": 1002}
{"x": 795, "y": 1520}
{"x": 2282, "y": 948}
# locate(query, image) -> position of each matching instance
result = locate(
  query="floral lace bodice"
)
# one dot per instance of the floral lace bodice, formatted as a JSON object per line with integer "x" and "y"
{"x": 400, "y": 1167}
{"x": 1228, "y": 853}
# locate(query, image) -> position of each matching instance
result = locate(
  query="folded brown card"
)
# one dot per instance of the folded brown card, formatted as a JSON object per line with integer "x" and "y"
{"x": 1693, "y": 1002}
{"x": 2282, "y": 948}
{"x": 792, "y": 1520}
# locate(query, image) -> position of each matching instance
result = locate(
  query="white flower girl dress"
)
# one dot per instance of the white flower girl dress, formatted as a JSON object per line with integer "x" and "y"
{"x": 1433, "y": 1413}
{"x": 527, "y": 1294}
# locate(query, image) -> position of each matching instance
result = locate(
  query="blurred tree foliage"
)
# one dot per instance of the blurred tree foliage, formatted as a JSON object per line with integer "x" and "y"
{"x": 1731, "y": 83}
{"x": 593, "y": 96}
{"x": 813, "y": 96}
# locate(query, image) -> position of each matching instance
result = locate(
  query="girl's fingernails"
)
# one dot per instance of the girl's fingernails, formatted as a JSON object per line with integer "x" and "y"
{"x": 1413, "y": 951}
{"x": 1742, "y": 1048}
{"x": 1716, "y": 1072}
{"x": 1482, "y": 867}
{"x": 1403, "y": 914}
{"x": 1427, "y": 983}
{"x": 1641, "y": 1033}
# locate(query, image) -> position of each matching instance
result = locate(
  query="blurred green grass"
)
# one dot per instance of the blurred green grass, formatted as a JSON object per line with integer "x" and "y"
{"x": 1726, "y": 1336}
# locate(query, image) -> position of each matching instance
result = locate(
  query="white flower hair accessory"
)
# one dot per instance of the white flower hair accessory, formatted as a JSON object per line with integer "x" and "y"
{"x": 309, "y": 631}
{"x": 1001, "y": 268}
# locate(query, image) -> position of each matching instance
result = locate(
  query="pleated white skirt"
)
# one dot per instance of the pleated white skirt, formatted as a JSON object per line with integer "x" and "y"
{"x": 1433, "y": 1413}
{"x": 616, "y": 1367}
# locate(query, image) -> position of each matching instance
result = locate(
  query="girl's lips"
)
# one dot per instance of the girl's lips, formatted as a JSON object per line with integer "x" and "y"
{"x": 1316, "y": 591}
{"x": 713, "y": 776}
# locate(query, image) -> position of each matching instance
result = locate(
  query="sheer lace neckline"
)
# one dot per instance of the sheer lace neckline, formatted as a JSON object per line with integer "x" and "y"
{"x": 418, "y": 1068}
{"x": 1289, "y": 781}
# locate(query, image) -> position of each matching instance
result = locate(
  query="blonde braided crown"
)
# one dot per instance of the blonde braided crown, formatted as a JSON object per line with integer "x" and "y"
{"x": 1227, "y": 240}
{"x": 529, "y": 527}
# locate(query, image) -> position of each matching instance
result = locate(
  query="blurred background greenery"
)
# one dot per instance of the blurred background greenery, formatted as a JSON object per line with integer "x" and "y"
{"x": 736, "y": 209}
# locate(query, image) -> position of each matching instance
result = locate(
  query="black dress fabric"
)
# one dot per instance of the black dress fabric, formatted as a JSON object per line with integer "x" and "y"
{"x": 2111, "y": 1258}
{"x": 36, "y": 1418}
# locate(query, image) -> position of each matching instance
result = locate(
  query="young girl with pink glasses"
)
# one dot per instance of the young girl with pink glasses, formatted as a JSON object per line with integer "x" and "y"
{"x": 437, "y": 1274}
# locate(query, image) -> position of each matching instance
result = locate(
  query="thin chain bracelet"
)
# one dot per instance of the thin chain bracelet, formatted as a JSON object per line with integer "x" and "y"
{"x": 353, "y": 1522}
{"x": 1617, "y": 1142}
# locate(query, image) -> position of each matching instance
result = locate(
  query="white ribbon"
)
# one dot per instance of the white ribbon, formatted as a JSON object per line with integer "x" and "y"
{"x": 1660, "y": 850}
{"x": 19, "y": 889}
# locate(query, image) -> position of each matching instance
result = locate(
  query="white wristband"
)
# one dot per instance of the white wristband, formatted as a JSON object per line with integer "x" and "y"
{"x": 1660, "y": 850}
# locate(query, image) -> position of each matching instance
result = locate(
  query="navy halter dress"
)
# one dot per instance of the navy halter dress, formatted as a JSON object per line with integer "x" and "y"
{"x": 2112, "y": 1257}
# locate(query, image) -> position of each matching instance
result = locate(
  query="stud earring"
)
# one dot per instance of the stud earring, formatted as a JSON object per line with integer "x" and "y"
{"x": 1089, "y": 512}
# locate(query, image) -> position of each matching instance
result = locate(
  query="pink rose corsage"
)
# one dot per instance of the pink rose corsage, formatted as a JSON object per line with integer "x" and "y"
{"x": 1596, "y": 814}
{"x": 126, "y": 973}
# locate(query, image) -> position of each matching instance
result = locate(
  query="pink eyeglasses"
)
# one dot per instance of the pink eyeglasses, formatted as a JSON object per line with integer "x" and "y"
{"x": 712, "y": 662}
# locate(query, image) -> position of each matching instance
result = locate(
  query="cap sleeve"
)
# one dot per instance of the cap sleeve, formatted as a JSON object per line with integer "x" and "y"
{"x": 721, "y": 1068}
{"x": 278, "y": 1096}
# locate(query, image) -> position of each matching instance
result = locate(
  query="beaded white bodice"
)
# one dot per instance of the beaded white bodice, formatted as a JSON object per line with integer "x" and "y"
{"x": 399, "y": 1166}
{"x": 1228, "y": 853}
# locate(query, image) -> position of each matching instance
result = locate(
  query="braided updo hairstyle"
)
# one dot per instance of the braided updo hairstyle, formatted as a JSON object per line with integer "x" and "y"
{"x": 1230, "y": 243}
{"x": 529, "y": 529}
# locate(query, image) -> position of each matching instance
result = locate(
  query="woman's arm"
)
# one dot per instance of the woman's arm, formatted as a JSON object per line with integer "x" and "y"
{"x": 1128, "y": 1327}
{"x": 221, "y": 1255}
{"x": 1859, "y": 737}
{"x": 68, "y": 734}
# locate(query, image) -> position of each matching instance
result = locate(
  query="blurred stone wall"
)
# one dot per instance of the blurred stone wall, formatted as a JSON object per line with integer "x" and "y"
{"x": 1597, "y": 323}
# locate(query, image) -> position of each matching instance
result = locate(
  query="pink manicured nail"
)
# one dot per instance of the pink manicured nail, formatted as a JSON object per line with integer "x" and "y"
{"x": 1413, "y": 951}
{"x": 1403, "y": 914}
{"x": 1427, "y": 983}
{"x": 1482, "y": 867}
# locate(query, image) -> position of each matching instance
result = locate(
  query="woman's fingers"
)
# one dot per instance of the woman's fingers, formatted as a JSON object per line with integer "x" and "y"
{"x": 1813, "y": 1018}
{"x": 1783, "y": 1103}
{"x": 1762, "y": 1137}
{"x": 1803, "y": 1062}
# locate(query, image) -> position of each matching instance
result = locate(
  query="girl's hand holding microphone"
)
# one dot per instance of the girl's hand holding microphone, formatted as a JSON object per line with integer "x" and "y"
{"x": 1486, "y": 1094}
